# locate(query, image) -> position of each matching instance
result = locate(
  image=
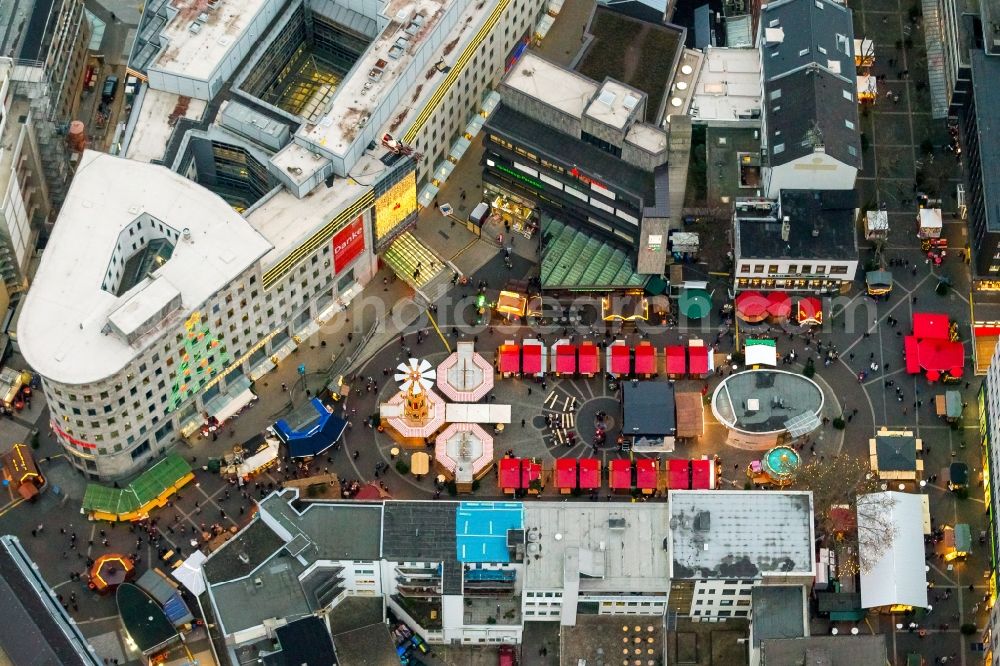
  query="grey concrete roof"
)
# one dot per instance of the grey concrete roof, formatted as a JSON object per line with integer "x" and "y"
{"x": 334, "y": 530}
{"x": 778, "y": 612}
{"x": 257, "y": 542}
{"x": 781, "y": 396}
{"x": 272, "y": 591}
{"x": 741, "y": 534}
{"x": 826, "y": 650}
{"x": 607, "y": 546}
{"x": 368, "y": 646}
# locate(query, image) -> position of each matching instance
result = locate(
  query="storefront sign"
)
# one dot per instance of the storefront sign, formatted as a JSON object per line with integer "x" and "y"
{"x": 348, "y": 243}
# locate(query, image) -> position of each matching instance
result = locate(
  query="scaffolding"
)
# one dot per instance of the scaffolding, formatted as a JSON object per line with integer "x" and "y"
{"x": 30, "y": 81}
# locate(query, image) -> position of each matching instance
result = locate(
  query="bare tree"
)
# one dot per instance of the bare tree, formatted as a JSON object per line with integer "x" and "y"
{"x": 860, "y": 534}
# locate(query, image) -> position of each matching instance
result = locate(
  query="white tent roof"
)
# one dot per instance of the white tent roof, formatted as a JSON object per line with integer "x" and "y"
{"x": 930, "y": 218}
{"x": 464, "y": 412}
{"x": 757, "y": 354}
{"x": 898, "y": 576}
{"x": 189, "y": 573}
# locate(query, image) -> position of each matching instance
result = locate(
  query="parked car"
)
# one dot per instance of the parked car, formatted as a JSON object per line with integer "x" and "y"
{"x": 110, "y": 87}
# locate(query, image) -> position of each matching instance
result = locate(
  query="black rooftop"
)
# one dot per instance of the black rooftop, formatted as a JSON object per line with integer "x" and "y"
{"x": 811, "y": 110}
{"x": 305, "y": 642}
{"x": 810, "y": 35}
{"x": 424, "y": 532}
{"x": 648, "y": 408}
{"x": 777, "y": 612}
{"x": 565, "y": 149}
{"x": 35, "y": 629}
{"x": 985, "y": 75}
{"x": 896, "y": 453}
{"x": 821, "y": 226}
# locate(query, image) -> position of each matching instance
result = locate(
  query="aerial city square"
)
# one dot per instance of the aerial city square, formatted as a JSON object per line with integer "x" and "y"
{"x": 514, "y": 332}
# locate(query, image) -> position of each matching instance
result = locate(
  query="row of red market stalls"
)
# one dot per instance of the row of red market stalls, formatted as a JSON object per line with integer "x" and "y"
{"x": 568, "y": 359}
{"x": 624, "y": 475}
{"x": 754, "y": 307}
{"x": 933, "y": 349}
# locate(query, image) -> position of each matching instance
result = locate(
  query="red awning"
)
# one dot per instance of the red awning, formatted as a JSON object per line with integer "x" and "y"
{"x": 621, "y": 474}
{"x": 645, "y": 359}
{"x": 698, "y": 360}
{"x": 565, "y": 359}
{"x": 645, "y": 474}
{"x": 810, "y": 311}
{"x": 779, "y": 304}
{"x": 912, "y": 355}
{"x": 701, "y": 474}
{"x": 679, "y": 474}
{"x": 676, "y": 362}
{"x": 590, "y": 473}
{"x": 531, "y": 363}
{"x": 566, "y": 473}
{"x": 530, "y": 471}
{"x": 508, "y": 358}
{"x": 620, "y": 360}
{"x": 751, "y": 306}
{"x": 510, "y": 473}
{"x": 589, "y": 359}
{"x": 929, "y": 325}
{"x": 941, "y": 355}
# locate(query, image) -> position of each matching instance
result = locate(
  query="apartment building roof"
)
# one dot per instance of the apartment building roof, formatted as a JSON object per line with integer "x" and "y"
{"x": 195, "y": 52}
{"x": 740, "y": 534}
{"x": 985, "y": 74}
{"x": 75, "y": 328}
{"x": 560, "y": 88}
{"x": 796, "y": 33}
{"x": 840, "y": 650}
{"x": 603, "y": 546}
{"x": 728, "y": 86}
{"x": 35, "y": 629}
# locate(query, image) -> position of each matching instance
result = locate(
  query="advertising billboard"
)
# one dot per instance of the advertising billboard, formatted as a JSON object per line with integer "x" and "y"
{"x": 348, "y": 243}
{"x": 395, "y": 205}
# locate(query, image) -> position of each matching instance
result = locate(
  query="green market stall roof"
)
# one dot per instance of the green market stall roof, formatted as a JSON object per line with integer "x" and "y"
{"x": 123, "y": 503}
{"x": 694, "y": 303}
{"x": 573, "y": 259}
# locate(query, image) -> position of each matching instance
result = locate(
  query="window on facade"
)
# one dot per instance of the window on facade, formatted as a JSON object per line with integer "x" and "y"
{"x": 838, "y": 270}
{"x": 758, "y": 268}
{"x": 772, "y": 269}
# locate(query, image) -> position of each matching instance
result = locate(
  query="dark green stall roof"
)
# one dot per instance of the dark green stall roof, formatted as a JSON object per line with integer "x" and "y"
{"x": 146, "y": 487}
{"x": 143, "y": 618}
{"x": 573, "y": 259}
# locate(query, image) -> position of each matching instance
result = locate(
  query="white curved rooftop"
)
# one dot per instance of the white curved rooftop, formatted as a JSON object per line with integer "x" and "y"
{"x": 73, "y": 331}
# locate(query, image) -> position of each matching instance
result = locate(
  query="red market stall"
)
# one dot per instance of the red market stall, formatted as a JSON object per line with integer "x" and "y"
{"x": 645, "y": 359}
{"x": 589, "y": 359}
{"x": 510, "y": 475}
{"x": 702, "y": 474}
{"x": 699, "y": 361}
{"x": 912, "y": 355}
{"x": 645, "y": 475}
{"x": 679, "y": 474}
{"x": 531, "y": 361}
{"x": 751, "y": 306}
{"x": 620, "y": 476}
{"x": 565, "y": 359}
{"x": 509, "y": 359}
{"x": 779, "y": 304}
{"x": 531, "y": 476}
{"x": 675, "y": 360}
{"x": 590, "y": 473}
{"x": 565, "y": 475}
{"x": 621, "y": 361}
{"x": 930, "y": 325}
{"x": 810, "y": 311}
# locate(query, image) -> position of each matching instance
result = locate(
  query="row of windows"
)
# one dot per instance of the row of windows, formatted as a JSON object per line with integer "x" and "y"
{"x": 793, "y": 269}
